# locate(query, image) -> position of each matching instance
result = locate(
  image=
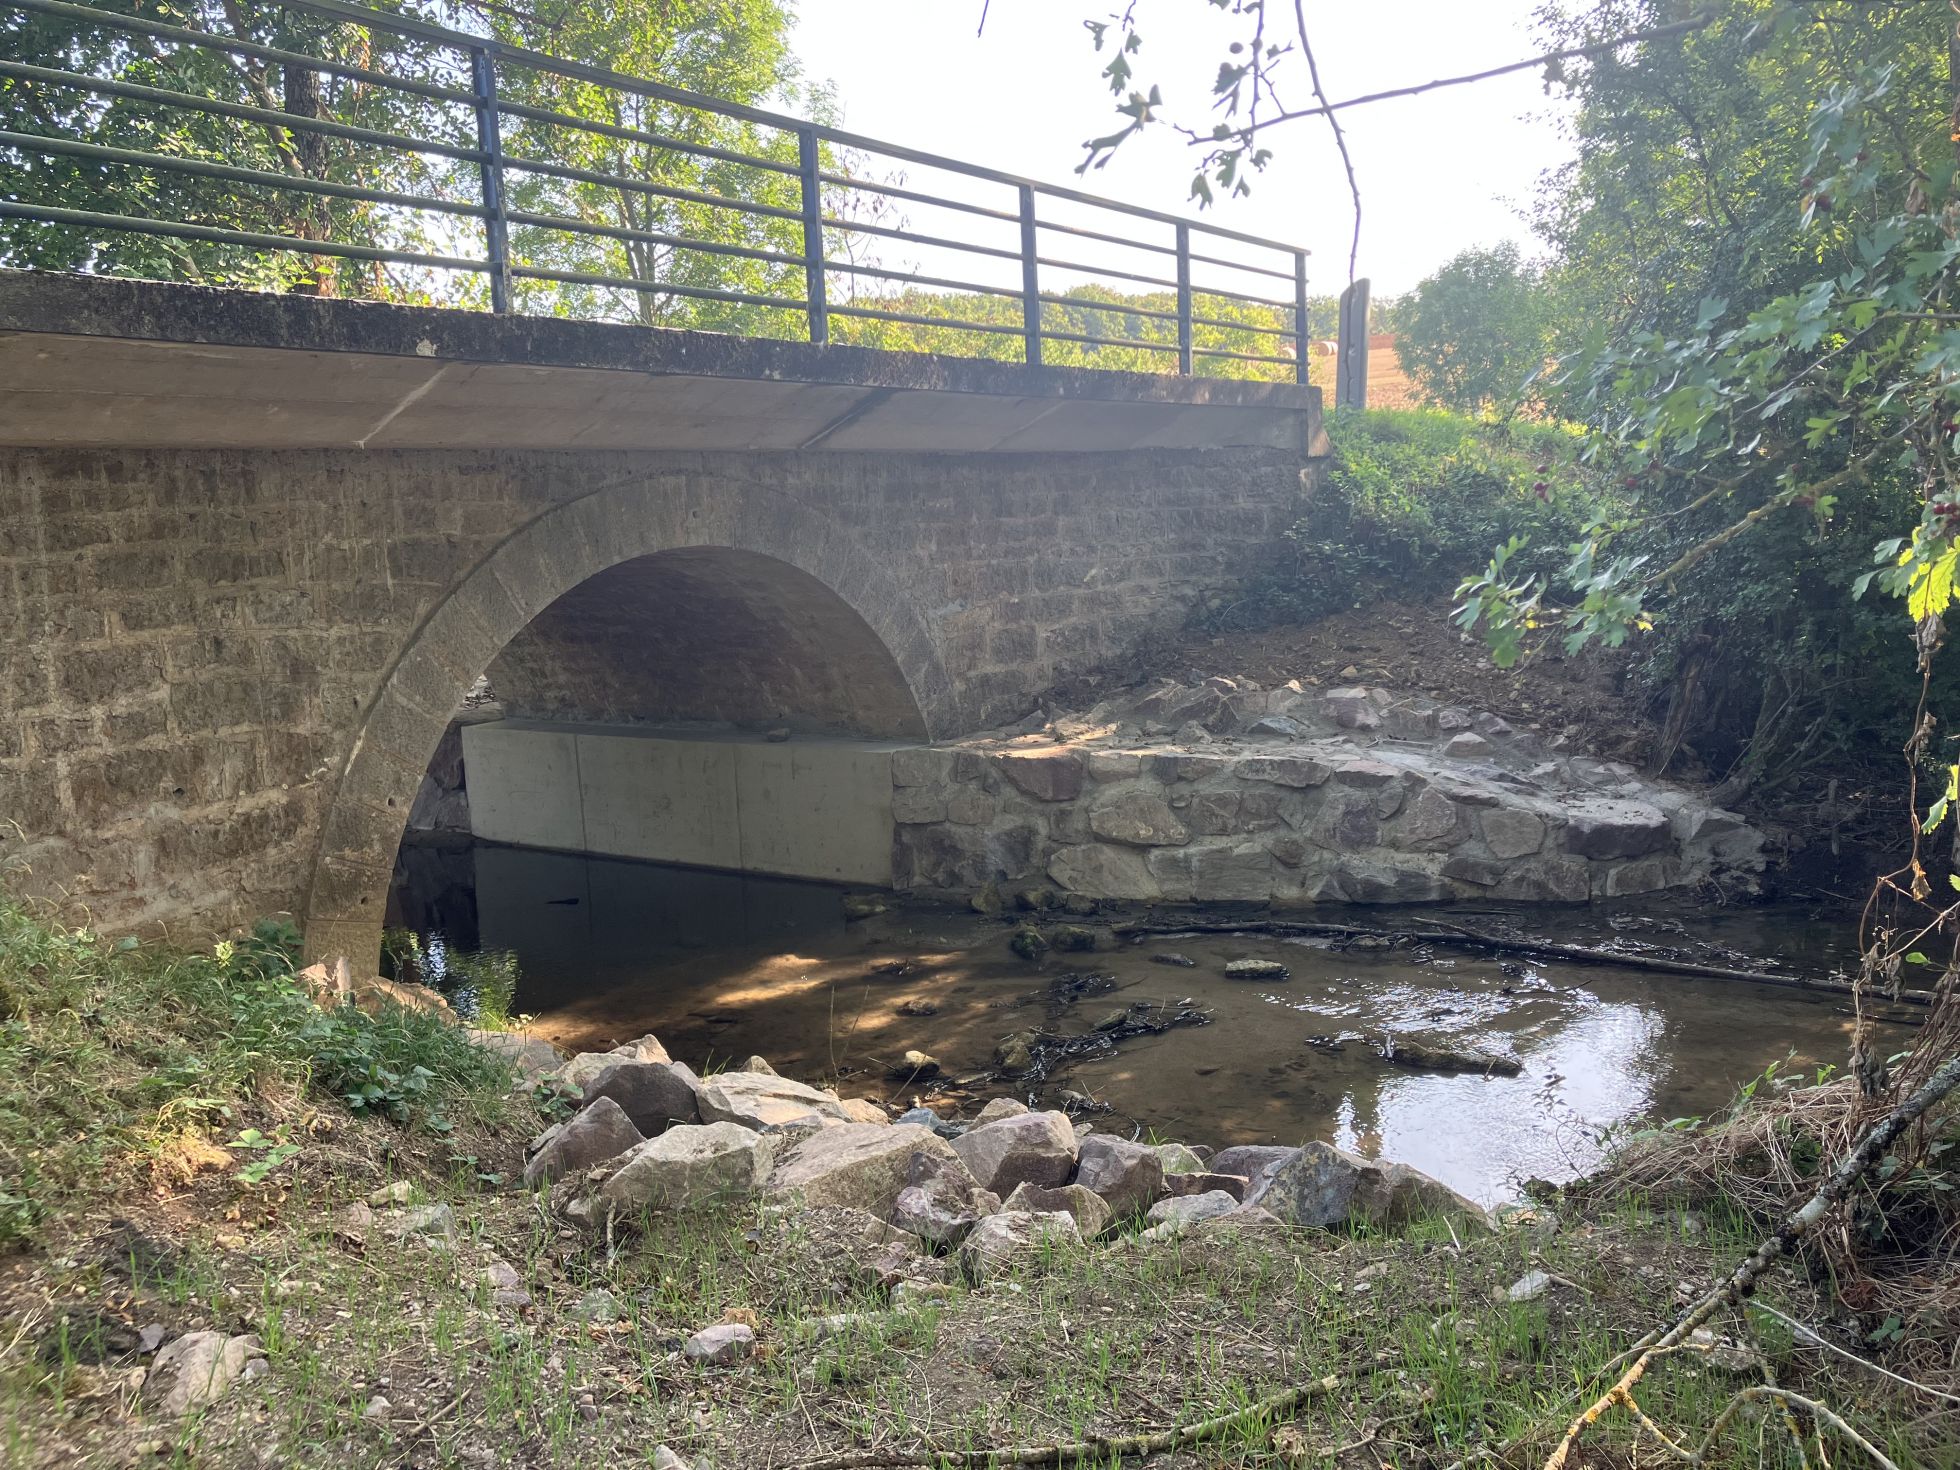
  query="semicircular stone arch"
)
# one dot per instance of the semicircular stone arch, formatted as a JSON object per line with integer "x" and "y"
{"x": 527, "y": 573}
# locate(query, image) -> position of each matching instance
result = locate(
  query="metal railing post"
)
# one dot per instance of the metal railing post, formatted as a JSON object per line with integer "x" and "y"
{"x": 1030, "y": 279}
{"x": 489, "y": 140}
{"x": 815, "y": 301}
{"x": 1184, "y": 300}
{"x": 1301, "y": 368}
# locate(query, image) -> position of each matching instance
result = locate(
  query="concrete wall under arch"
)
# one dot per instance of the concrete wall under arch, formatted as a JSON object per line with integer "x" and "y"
{"x": 222, "y": 672}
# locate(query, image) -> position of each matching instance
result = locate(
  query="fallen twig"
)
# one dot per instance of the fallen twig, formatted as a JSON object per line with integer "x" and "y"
{"x": 1812, "y": 1335}
{"x": 1741, "y": 1282}
{"x": 1278, "y": 1406}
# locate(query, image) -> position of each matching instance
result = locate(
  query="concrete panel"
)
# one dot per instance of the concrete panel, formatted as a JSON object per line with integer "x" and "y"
{"x": 817, "y": 810}
{"x": 524, "y": 786}
{"x": 668, "y": 801}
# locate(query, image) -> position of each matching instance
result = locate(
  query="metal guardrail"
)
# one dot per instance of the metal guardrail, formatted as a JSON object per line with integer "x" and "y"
{"x": 500, "y": 145}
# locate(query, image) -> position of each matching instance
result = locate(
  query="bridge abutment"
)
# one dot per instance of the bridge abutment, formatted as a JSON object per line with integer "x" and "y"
{"x": 224, "y": 671}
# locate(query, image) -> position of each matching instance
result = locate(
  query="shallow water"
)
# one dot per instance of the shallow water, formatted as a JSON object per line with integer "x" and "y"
{"x": 722, "y": 966}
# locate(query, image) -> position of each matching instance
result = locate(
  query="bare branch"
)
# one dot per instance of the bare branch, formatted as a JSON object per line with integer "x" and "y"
{"x": 1340, "y": 138}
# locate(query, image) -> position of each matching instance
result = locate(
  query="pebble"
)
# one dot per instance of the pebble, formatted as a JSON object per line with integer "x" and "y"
{"x": 725, "y": 1342}
{"x": 1182, "y": 961}
{"x": 1528, "y": 1287}
{"x": 597, "y": 1305}
{"x": 398, "y": 1193}
{"x": 377, "y": 1408}
{"x": 914, "y": 1066}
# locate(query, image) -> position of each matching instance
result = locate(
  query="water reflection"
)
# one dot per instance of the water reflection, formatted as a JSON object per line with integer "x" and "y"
{"x": 721, "y": 965}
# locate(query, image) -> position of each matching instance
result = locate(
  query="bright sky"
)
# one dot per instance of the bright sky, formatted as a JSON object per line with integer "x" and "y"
{"x": 1438, "y": 173}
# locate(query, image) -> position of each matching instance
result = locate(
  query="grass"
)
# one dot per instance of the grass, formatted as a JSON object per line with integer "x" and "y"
{"x": 1432, "y": 1365}
{"x": 122, "y": 1062}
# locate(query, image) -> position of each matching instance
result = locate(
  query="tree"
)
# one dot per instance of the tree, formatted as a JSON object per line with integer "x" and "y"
{"x": 1474, "y": 333}
{"x": 1768, "y": 368}
{"x": 601, "y": 169}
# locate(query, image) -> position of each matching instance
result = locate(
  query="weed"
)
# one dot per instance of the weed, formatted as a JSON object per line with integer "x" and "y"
{"x": 117, "y": 1053}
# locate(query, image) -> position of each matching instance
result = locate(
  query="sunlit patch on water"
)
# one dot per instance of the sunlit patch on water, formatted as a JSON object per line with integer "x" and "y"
{"x": 723, "y": 966}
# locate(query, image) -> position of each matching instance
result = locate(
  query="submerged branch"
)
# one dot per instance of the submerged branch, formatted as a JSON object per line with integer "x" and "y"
{"x": 1535, "y": 948}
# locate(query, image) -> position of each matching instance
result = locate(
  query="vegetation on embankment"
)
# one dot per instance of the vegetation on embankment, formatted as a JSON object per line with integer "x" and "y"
{"x": 1760, "y": 675}
{"x": 128, "y": 1067}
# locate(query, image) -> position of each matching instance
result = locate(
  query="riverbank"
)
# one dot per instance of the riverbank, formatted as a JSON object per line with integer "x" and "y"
{"x": 193, "y": 1165}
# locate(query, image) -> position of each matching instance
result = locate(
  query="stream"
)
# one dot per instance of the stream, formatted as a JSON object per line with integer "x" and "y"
{"x": 721, "y": 966}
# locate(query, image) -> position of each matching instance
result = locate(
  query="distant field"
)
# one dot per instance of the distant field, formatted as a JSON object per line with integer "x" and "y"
{"x": 1388, "y": 385}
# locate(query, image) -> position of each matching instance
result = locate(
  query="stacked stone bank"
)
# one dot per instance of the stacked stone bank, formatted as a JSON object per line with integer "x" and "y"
{"x": 1225, "y": 790}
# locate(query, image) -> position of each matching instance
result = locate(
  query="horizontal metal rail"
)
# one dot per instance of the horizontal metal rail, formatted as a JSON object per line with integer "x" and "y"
{"x": 914, "y": 278}
{"x": 204, "y": 168}
{"x": 88, "y": 219}
{"x": 234, "y": 46}
{"x": 217, "y": 107}
{"x": 655, "y": 288}
{"x": 535, "y": 206}
{"x": 642, "y": 137}
{"x": 895, "y": 191}
{"x": 956, "y": 324}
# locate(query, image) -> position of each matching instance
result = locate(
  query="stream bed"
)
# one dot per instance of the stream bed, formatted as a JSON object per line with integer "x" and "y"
{"x": 721, "y": 966}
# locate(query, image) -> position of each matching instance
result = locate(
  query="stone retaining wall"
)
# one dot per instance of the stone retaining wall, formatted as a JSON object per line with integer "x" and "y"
{"x": 1227, "y": 791}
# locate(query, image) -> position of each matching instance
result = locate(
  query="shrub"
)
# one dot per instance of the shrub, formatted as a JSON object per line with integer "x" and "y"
{"x": 1417, "y": 499}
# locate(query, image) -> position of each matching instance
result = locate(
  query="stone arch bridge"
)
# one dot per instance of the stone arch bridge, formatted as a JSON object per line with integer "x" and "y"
{"x": 253, "y": 549}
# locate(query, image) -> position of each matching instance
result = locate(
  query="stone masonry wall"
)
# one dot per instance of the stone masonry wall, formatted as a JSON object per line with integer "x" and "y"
{"x": 195, "y": 646}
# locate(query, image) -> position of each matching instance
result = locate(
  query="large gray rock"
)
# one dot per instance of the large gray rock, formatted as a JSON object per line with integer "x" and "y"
{"x": 1324, "y": 1186}
{"x": 694, "y": 1164}
{"x": 1100, "y": 871}
{"x": 1429, "y": 823}
{"x": 940, "y": 1201}
{"x": 196, "y": 1369}
{"x": 598, "y": 1132}
{"x": 1352, "y": 708}
{"x": 1510, "y": 832}
{"x": 862, "y": 1165}
{"x": 1214, "y": 872}
{"x": 655, "y": 1095}
{"x": 1298, "y": 771}
{"x": 1136, "y": 818}
{"x": 720, "y": 1345}
{"x": 581, "y": 1069}
{"x": 1087, "y": 1208}
{"x": 1602, "y": 828}
{"x": 1034, "y": 1148}
{"x": 1128, "y": 1176}
{"x": 531, "y": 1057}
{"x": 1187, "y": 1210}
{"x": 999, "y": 1240}
{"x": 1046, "y": 775}
{"x": 1253, "y": 1161}
{"x": 761, "y": 1100}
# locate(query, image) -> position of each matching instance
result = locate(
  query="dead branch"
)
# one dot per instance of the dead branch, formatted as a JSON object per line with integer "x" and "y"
{"x": 1536, "y": 948}
{"x": 1816, "y": 1338}
{"x": 1276, "y": 1407}
{"x": 1741, "y": 1283}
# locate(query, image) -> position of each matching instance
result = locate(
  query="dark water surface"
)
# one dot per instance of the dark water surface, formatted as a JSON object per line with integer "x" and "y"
{"x": 722, "y": 966}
